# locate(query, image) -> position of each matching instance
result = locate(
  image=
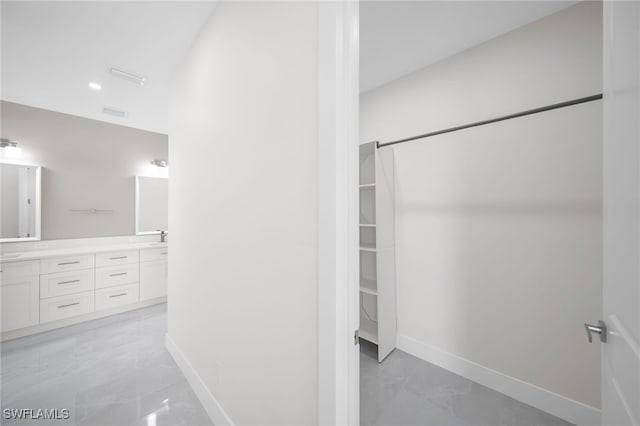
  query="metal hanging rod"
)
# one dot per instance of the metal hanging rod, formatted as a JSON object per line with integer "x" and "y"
{"x": 495, "y": 120}
{"x": 91, "y": 211}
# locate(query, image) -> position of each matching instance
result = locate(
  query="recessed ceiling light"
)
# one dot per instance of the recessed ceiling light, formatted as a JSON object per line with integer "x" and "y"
{"x": 134, "y": 78}
{"x": 95, "y": 86}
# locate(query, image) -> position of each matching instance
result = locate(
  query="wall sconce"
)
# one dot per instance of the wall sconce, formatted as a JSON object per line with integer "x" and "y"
{"x": 10, "y": 148}
{"x": 160, "y": 163}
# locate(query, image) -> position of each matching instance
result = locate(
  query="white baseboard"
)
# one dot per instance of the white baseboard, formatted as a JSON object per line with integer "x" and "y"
{"x": 545, "y": 400}
{"x": 208, "y": 401}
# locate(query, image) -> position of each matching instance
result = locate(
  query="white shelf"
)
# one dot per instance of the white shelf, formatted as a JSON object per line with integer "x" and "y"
{"x": 377, "y": 292}
{"x": 369, "y": 330}
{"x": 368, "y": 291}
{"x": 368, "y": 286}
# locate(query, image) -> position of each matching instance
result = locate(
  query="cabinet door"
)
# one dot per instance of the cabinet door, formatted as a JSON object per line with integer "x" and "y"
{"x": 153, "y": 279}
{"x": 20, "y": 301}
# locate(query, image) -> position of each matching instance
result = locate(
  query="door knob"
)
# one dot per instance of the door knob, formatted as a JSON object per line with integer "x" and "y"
{"x": 600, "y": 329}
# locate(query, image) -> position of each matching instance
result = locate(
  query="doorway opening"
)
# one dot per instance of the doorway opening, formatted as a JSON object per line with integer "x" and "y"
{"x": 480, "y": 212}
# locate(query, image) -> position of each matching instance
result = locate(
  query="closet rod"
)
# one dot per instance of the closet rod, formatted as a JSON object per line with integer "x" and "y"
{"x": 495, "y": 120}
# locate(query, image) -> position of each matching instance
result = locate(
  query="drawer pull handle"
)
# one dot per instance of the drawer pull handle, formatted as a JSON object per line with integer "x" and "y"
{"x": 118, "y": 295}
{"x": 68, "y": 304}
{"x": 68, "y": 263}
{"x": 68, "y": 282}
{"x": 118, "y": 257}
{"x": 164, "y": 252}
{"x": 118, "y": 274}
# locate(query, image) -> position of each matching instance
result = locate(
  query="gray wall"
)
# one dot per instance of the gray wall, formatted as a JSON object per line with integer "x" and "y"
{"x": 86, "y": 164}
{"x": 498, "y": 228}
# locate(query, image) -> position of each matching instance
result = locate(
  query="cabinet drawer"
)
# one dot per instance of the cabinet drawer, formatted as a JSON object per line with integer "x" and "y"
{"x": 117, "y": 258}
{"x": 67, "y": 263}
{"x": 109, "y": 276}
{"x": 154, "y": 254}
{"x": 56, "y": 308}
{"x": 20, "y": 302}
{"x": 116, "y": 296}
{"x": 10, "y": 271}
{"x": 61, "y": 283}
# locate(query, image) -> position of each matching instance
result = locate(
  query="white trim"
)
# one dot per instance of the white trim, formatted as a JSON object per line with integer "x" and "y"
{"x": 338, "y": 227}
{"x": 38, "y": 200}
{"x": 560, "y": 406}
{"x": 17, "y": 162}
{"x": 208, "y": 401}
{"x": 137, "y": 207}
{"x": 136, "y": 211}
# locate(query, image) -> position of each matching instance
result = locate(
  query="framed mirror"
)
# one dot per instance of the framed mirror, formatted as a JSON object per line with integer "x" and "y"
{"x": 151, "y": 205}
{"x": 20, "y": 201}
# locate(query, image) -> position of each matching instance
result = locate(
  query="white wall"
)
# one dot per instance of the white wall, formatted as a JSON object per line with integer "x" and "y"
{"x": 243, "y": 211}
{"x": 85, "y": 164}
{"x": 498, "y": 228}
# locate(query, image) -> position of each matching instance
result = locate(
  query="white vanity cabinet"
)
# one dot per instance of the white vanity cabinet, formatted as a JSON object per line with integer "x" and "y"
{"x": 19, "y": 294}
{"x": 117, "y": 276}
{"x": 58, "y": 288}
{"x": 153, "y": 273}
{"x": 113, "y": 297}
{"x": 66, "y": 287}
{"x": 64, "y": 283}
{"x": 56, "y": 308}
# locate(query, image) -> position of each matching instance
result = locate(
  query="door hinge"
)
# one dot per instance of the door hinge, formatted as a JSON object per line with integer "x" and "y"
{"x": 356, "y": 337}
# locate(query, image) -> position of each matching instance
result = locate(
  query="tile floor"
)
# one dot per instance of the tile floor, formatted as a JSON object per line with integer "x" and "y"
{"x": 107, "y": 372}
{"x": 404, "y": 390}
{"x": 116, "y": 371}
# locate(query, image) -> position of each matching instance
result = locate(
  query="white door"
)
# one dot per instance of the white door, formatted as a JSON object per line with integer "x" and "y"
{"x": 621, "y": 214}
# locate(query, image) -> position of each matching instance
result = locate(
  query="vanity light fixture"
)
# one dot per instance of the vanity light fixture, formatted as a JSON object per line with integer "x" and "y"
{"x": 134, "y": 78}
{"x": 95, "y": 86}
{"x": 160, "y": 163}
{"x": 10, "y": 148}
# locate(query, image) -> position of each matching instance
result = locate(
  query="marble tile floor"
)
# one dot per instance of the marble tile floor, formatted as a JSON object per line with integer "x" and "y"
{"x": 112, "y": 371}
{"x": 405, "y": 390}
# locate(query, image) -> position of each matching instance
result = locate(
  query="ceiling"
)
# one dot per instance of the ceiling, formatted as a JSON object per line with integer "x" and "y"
{"x": 51, "y": 51}
{"x": 400, "y": 37}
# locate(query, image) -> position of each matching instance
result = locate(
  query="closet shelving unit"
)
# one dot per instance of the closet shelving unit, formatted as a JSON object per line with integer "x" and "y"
{"x": 377, "y": 250}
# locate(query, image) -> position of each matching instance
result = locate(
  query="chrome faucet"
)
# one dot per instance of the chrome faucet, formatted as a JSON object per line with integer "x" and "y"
{"x": 163, "y": 236}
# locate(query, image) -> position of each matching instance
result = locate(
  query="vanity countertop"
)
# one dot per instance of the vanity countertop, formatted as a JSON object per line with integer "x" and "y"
{"x": 69, "y": 251}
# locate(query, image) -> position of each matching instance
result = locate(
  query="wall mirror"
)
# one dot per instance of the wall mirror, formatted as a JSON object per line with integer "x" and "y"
{"x": 19, "y": 201}
{"x": 151, "y": 204}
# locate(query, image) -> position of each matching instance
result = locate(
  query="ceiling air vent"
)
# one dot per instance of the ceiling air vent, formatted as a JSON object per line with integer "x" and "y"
{"x": 114, "y": 112}
{"x": 129, "y": 76}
